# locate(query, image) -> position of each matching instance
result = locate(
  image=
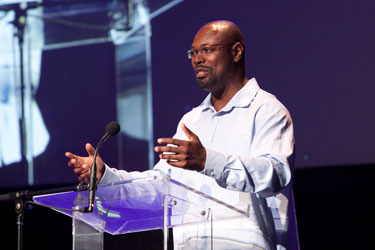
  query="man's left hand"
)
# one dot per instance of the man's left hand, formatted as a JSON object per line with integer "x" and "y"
{"x": 188, "y": 154}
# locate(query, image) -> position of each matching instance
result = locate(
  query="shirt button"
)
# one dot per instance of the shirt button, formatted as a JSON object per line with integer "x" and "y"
{"x": 212, "y": 173}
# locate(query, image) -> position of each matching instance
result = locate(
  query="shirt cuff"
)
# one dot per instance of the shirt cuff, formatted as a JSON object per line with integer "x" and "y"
{"x": 109, "y": 175}
{"x": 215, "y": 164}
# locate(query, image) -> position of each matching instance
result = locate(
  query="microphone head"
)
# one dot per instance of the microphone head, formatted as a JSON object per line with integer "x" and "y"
{"x": 112, "y": 128}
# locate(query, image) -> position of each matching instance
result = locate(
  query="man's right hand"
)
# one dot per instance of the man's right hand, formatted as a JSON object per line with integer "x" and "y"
{"x": 82, "y": 164}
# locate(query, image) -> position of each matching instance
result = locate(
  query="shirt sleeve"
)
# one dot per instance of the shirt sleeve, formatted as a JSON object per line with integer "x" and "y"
{"x": 267, "y": 167}
{"x": 113, "y": 174}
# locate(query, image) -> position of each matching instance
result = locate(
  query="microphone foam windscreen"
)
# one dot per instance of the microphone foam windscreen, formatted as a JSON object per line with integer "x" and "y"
{"x": 112, "y": 128}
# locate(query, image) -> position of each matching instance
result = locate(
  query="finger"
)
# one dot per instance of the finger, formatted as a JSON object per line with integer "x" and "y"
{"x": 90, "y": 149}
{"x": 71, "y": 156}
{"x": 81, "y": 169}
{"x": 175, "y": 157}
{"x": 178, "y": 164}
{"x": 83, "y": 175}
{"x": 78, "y": 171}
{"x": 72, "y": 162}
{"x": 188, "y": 132}
{"x": 167, "y": 149}
{"x": 173, "y": 141}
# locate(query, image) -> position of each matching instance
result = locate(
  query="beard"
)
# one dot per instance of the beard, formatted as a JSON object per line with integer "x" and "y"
{"x": 207, "y": 82}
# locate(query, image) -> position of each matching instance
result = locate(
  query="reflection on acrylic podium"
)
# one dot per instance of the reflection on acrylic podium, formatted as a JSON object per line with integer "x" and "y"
{"x": 155, "y": 202}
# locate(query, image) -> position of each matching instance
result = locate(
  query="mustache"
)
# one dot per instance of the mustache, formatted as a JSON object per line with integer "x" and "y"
{"x": 202, "y": 67}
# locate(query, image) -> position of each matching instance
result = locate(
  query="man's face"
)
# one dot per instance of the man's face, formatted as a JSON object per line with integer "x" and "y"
{"x": 212, "y": 69}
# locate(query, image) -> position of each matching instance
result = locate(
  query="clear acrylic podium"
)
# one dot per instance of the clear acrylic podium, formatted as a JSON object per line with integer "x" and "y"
{"x": 156, "y": 202}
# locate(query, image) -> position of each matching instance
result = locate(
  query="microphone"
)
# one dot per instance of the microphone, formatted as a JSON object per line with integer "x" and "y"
{"x": 111, "y": 129}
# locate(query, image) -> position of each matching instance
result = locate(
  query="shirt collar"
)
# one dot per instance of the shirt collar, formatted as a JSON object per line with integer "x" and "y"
{"x": 241, "y": 99}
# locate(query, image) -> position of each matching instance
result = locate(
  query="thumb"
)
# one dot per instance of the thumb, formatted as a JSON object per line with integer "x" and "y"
{"x": 188, "y": 132}
{"x": 90, "y": 149}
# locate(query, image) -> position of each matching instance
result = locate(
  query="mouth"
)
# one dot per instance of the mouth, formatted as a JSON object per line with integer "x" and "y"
{"x": 201, "y": 72}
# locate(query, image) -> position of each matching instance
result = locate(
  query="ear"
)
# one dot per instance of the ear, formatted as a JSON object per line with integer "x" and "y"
{"x": 237, "y": 50}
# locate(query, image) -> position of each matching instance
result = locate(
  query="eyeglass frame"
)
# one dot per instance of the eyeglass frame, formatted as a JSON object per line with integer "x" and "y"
{"x": 208, "y": 46}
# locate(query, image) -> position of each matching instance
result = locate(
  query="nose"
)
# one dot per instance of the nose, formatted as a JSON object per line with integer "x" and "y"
{"x": 197, "y": 59}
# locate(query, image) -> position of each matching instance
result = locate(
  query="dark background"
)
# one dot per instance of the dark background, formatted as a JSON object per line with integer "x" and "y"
{"x": 316, "y": 56}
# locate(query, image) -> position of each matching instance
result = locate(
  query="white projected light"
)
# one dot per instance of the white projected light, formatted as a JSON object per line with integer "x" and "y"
{"x": 36, "y": 134}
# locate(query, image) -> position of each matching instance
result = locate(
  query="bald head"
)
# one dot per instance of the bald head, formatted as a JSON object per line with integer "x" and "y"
{"x": 224, "y": 31}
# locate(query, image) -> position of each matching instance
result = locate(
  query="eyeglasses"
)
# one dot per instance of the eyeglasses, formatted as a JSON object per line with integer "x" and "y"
{"x": 206, "y": 50}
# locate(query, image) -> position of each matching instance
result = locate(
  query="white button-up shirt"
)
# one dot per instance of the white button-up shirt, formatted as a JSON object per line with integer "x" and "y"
{"x": 250, "y": 150}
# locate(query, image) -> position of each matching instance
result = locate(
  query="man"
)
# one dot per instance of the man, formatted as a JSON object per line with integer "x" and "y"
{"x": 240, "y": 136}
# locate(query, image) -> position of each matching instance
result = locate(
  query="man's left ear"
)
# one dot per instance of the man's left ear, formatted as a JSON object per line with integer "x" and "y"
{"x": 237, "y": 50}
